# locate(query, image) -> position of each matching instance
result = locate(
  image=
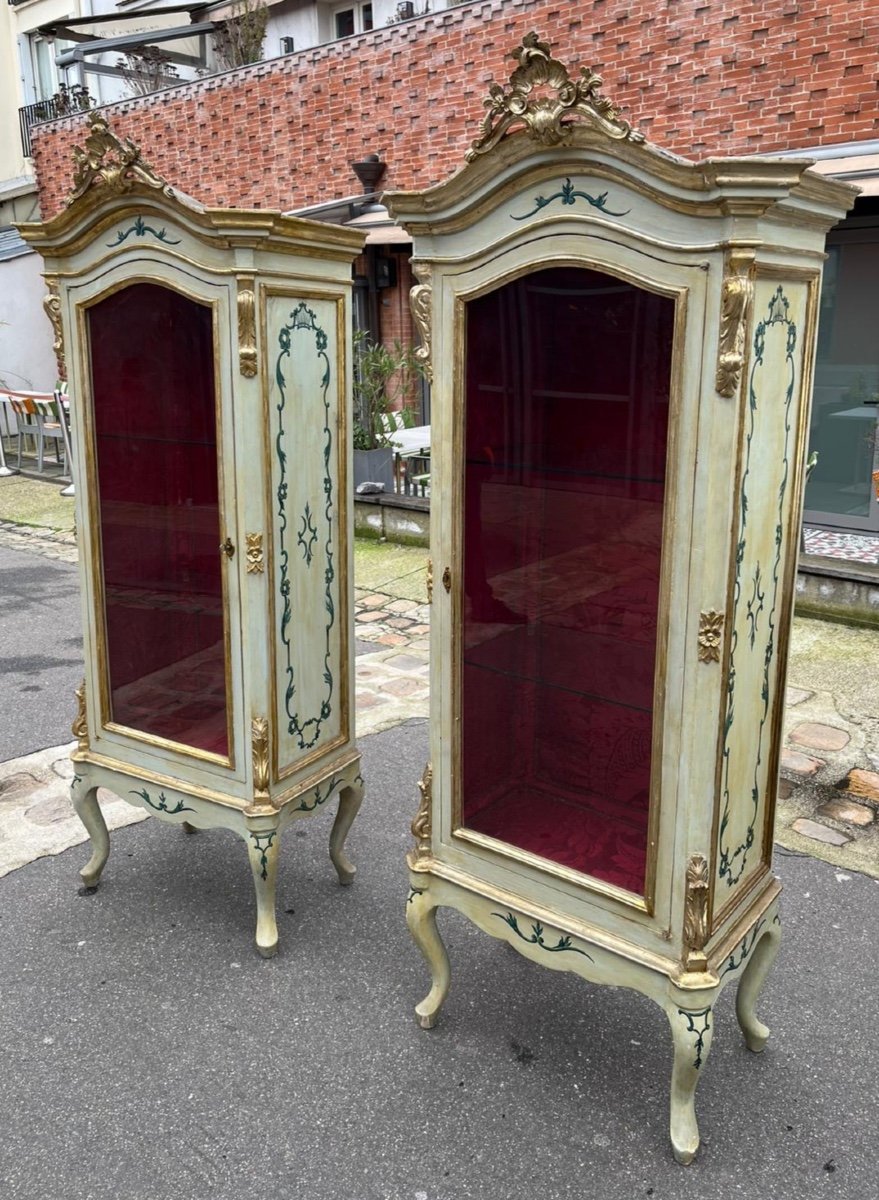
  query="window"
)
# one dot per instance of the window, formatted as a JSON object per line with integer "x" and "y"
{"x": 356, "y": 19}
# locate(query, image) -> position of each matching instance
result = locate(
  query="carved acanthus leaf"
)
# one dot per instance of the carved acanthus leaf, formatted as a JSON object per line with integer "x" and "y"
{"x": 246, "y": 330}
{"x": 696, "y": 914}
{"x": 80, "y": 726}
{"x": 109, "y": 162}
{"x": 548, "y": 119}
{"x": 421, "y": 827}
{"x": 52, "y": 306}
{"x": 259, "y": 738}
{"x": 736, "y": 294}
{"x": 421, "y": 302}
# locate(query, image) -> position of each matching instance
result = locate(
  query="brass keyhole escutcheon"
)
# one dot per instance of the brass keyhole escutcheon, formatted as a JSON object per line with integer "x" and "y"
{"x": 227, "y": 548}
{"x": 447, "y": 579}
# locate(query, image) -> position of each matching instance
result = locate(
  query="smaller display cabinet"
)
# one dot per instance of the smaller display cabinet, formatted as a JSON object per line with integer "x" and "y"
{"x": 621, "y": 344}
{"x": 208, "y": 356}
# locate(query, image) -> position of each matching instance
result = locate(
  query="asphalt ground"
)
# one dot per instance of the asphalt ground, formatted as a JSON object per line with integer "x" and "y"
{"x": 40, "y": 652}
{"x": 148, "y": 1053}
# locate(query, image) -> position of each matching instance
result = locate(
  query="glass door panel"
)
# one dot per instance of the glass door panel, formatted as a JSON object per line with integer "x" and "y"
{"x": 568, "y": 375}
{"x": 152, "y": 363}
{"x": 842, "y": 490}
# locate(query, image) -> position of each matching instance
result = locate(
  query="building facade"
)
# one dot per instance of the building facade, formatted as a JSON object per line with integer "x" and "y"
{"x": 796, "y": 77}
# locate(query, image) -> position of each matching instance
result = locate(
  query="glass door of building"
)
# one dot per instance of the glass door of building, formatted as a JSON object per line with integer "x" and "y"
{"x": 841, "y": 492}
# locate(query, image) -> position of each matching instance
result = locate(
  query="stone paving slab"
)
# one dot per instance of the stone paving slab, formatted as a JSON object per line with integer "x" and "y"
{"x": 36, "y": 815}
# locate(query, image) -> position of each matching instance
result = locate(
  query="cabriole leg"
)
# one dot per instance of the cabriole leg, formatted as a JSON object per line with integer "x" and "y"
{"x": 421, "y": 919}
{"x": 753, "y": 977}
{"x": 187, "y": 828}
{"x": 691, "y": 1030}
{"x": 262, "y": 847}
{"x": 85, "y": 801}
{"x": 350, "y": 799}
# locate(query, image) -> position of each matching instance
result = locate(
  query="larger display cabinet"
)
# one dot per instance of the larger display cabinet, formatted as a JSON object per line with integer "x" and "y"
{"x": 621, "y": 345}
{"x": 208, "y": 355}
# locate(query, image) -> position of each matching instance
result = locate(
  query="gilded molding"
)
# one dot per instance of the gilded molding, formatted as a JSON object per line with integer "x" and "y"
{"x": 52, "y": 306}
{"x": 254, "y": 554}
{"x": 259, "y": 737}
{"x": 112, "y": 163}
{"x": 710, "y": 636}
{"x": 429, "y": 581}
{"x": 735, "y": 303}
{"x": 696, "y": 914}
{"x": 80, "y": 727}
{"x": 547, "y": 119}
{"x": 246, "y": 329}
{"x": 421, "y": 303}
{"x": 421, "y": 826}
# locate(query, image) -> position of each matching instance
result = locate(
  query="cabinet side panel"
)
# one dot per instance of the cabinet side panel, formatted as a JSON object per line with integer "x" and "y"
{"x": 308, "y": 558}
{"x": 759, "y": 605}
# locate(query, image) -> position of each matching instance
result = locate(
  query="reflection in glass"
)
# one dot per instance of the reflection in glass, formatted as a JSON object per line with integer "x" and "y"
{"x": 567, "y": 401}
{"x": 152, "y": 364}
{"x": 845, "y": 406}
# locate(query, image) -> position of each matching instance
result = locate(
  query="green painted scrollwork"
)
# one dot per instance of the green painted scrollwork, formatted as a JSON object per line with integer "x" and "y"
{"x": 732, "y": 860}
{"x": 162, "y": 804}
{"x": 568, "y": 194}
{"x": 319, "y": 797}
{"x": 306, "y": 729}
{"x": 141, "y": 229}
{"x": 536, "y": 938}
{"x": 703, "y": 1014}
{"x": 737, "y": 957}
{"x": 263, "y": 843}
{"x": 307, "y": 543}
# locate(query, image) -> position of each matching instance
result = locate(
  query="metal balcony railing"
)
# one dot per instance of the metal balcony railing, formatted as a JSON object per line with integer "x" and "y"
{"x": 69, "y": 100}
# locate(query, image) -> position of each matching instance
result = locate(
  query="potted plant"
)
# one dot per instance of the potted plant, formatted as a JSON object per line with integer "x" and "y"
{"x": 383, "y": 377}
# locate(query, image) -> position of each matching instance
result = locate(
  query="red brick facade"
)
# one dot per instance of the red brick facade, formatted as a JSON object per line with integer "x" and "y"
{"x": 698, "y": 77}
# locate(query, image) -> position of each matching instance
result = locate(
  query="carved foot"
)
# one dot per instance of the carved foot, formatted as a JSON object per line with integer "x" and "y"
{"x": 691, "y": 1030}
{"x": 187, "y": 828}
{"x": 350, "y": 799}
{"x": 421, "y": 919}
{"x": 753, "y": 977}
{"x": 262, "y": 847}
{"x": 85, "y": 801}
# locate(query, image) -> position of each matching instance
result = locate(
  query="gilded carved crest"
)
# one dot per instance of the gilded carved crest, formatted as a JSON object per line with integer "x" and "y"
{"x": 52, "y": 307}
{"x": 421, "y": 302}
{"x": 735, "y": 303}
{"x": 696, "y": 914}
{"x": 109, "y": 162}
{"x": 421, "y": 826}
{"x": 547, "y": 118}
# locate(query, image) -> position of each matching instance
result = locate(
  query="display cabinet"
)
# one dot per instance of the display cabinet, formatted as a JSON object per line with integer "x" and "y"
{"x": 208, "y": 354}
{"x": 621, "y": 345}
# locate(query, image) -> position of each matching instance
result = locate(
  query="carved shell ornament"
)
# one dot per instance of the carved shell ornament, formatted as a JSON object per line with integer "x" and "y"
{"x": 547, "y": 118}
{"x": 109, "y": 162}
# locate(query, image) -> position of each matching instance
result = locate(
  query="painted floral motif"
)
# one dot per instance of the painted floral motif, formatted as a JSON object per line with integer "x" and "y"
{"x": 161, "y": 805}
{"x": 733, "y": 860}
{"x": 569, "y": 195}
{"x": 306, "y": 729}
{"x": 536, "y": 938}
{"x": 141, "y": 229}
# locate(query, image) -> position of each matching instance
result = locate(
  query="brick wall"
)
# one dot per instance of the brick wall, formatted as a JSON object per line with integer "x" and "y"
{"x": 697, "y": 76}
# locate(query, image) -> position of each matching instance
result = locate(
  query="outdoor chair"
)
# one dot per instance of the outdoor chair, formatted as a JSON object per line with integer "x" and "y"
{"x": 41, "y": 417}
